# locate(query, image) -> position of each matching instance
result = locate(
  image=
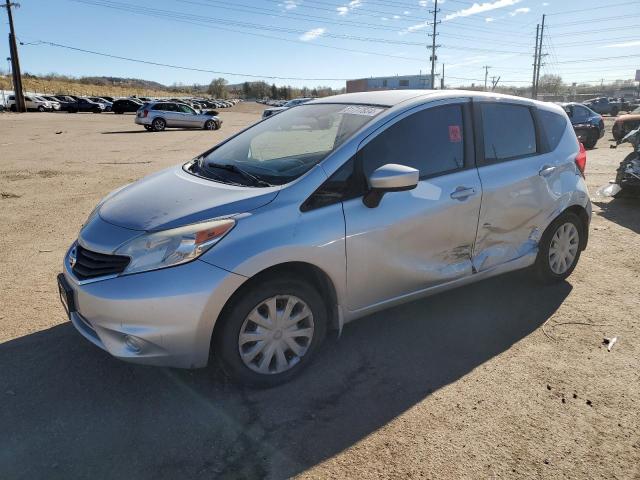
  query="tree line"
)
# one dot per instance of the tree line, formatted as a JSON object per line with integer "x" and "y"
{"x": 219, "y": 88}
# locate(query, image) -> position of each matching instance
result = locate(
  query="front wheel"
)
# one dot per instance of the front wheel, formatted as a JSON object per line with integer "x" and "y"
{"x": 270, "y": 332}
{"x": 559, "y": 249}
{"x": 210, "y": 125}
{"x": 41, "y": 108}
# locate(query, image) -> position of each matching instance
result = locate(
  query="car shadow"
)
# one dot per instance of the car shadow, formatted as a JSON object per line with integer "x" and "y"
{"x": 69, "y": 410}
{"x": 146, "y": 131}
{"x": 623, "y": 211}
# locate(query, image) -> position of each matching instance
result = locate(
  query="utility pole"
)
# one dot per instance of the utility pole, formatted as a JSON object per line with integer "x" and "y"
{"x": 540, "y": 55}
{"x": 433, "y": 43}
{"x": 15, "y": 61}
{"x": 486, "y": 76}
{"x": 494, "y": 83}
{"x": 442, "y": 78}
{"x": 535, "y": 64}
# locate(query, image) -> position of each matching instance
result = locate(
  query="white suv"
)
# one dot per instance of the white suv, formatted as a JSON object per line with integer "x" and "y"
{"x": 32, "y": 102}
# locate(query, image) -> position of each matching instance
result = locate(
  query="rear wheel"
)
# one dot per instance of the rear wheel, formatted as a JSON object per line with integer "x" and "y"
{"x": 559, "y": 249}
{"x": 158, "y": 124}
{"x": 270, "y": 332}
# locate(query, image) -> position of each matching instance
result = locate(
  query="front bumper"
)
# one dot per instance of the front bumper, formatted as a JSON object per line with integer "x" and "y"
{"x": 163, "y": 317}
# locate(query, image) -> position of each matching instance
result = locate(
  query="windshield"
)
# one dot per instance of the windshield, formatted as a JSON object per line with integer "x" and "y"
{"x": 285, "y": 146}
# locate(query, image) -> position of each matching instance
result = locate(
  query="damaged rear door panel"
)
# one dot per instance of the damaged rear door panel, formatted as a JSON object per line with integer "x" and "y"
{"x": 521, "y": 184}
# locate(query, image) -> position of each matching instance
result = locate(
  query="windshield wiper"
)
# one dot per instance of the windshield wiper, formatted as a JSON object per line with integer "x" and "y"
{"x": 235, "y": 169}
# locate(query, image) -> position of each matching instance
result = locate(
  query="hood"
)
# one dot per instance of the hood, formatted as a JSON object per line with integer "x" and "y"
{"x": 276, "y": 109}
{"x": 172, "y": 198}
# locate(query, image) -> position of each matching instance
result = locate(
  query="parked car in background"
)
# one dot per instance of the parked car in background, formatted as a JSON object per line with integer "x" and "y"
{"x": 32, "y": 102}
{"x": 67, "y": 102}
{"x": 156, "y": 116}
{"x": 588, "y": 125}
{"x": 625, "y": 124}
{"x": 86, "y": 105}
{"x": 107, "y": 104}
{"x": 108, "y": 99}
{"x": 125, "y": 105}
{"x": 291, "y": 103}
{"x": 604, "y": 106}
{"x": 322, "y": 214}
{"x": 61, "y": 104}
{"x": 55, "y": 104}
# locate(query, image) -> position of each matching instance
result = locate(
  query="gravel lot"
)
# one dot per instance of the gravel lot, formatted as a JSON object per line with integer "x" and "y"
{"x": 462, "y": 385}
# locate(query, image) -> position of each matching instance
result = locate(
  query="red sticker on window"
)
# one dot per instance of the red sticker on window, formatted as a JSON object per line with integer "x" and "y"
{"x": 454, "y": 134}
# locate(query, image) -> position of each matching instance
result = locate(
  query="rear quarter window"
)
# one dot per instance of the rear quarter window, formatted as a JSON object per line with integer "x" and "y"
{"x": 553, "y": 126}
{"x": 509, "y": 132}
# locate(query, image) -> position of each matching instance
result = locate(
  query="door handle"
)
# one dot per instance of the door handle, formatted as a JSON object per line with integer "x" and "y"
{"x": 462, "y": 193}
{"x": 546, "y": 170}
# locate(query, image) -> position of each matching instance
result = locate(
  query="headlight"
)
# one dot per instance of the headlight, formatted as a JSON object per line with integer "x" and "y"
{"x": 173, "y": 247}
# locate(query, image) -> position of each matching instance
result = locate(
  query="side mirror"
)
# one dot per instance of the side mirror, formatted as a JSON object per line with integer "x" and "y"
{"x": 390, "y": 178}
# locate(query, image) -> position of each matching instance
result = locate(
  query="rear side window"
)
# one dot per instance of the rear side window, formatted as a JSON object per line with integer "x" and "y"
{"x": 553, "y": 125}
{"x": 160, "y": 106}
{"x": 429, "y": 141}
{"x": 509, "y": 132}
{"x": 580, "y": 114}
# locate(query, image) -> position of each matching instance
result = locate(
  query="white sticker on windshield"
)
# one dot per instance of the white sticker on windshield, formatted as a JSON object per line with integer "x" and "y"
{"x": 361, "y": 110}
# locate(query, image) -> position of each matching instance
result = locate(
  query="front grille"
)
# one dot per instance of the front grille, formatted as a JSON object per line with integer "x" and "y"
{"x": 93, "y": 264}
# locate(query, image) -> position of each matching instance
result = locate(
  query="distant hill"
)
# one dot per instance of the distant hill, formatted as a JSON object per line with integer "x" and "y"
{"x": 124, "y": 82}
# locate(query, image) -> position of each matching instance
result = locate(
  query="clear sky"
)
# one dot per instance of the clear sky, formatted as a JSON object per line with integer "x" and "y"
{"x": 585, "y": 40}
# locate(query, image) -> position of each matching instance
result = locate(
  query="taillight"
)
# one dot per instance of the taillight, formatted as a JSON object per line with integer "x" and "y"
{"x": 581, "y": 159}
{"x": 145, "y": 113}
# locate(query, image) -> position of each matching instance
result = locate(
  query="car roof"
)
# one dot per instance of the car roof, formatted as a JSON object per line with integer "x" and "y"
{"x": 390, "y": 98}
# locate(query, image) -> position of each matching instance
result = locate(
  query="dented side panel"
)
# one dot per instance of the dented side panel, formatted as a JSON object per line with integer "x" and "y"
{"x": 412, "y": 240}
{"x": 518, "y": 202}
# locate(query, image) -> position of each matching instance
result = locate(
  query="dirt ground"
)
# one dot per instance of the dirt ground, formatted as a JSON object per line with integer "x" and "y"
{"x": 465, "y": 384}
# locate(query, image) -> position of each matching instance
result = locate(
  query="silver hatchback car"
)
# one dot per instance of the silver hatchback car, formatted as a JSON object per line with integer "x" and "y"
{"x": 158, "y": 115}
{"x": 322, "y": 214}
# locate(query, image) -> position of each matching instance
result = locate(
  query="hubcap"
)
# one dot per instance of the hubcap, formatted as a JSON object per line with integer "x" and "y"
{"x": 564, "y": 248}
{"x": 276, "y": 334}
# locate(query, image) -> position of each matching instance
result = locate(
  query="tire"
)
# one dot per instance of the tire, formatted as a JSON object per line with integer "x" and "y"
{"x": 591, "y": 141}
{"x": 158, "y": 124}
{"x": 41, "y": 108}
{"x": 210, "y": 125}
{"x": 614, "y": 112}
{"x": 13, "y": 108}
{"x": 566, "y": 224}
{"x": 251, "y": 301}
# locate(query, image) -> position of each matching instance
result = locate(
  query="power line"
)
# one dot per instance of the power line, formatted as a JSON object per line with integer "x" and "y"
{"x": 196, "y": 69}
{"x": 180, "y": 67}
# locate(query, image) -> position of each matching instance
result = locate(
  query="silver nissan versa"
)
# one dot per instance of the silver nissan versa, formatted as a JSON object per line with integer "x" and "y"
{"x": 322, "y": 214}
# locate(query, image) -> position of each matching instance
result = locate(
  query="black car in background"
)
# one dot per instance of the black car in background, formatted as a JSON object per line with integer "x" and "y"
{"x": 126, "y": 105}
{"x": 67, "y": 103}
{"x": 86, "y": 105}
{"x": 73, "y": 104}
{"x": 587, "y": 124}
